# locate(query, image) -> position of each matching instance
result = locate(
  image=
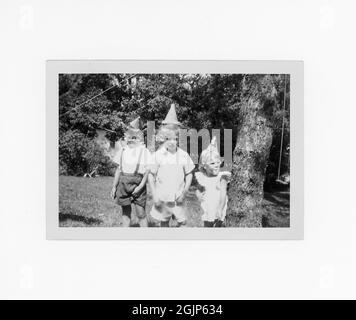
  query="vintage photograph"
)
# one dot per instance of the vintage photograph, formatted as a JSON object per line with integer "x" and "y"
{"x": 182, "y": 150}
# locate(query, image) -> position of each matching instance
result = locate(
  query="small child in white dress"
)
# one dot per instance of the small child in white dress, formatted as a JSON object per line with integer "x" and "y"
{"x": 212, "y": 186}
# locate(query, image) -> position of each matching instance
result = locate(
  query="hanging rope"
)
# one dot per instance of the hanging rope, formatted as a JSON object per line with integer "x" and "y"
{"x": 282, "y": 134}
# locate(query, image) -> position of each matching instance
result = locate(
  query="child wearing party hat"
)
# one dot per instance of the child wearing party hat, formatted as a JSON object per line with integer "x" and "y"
{"x": 170, "y": 175}
{"x": 129, "y": 186}
{"x": 212, "y": 186}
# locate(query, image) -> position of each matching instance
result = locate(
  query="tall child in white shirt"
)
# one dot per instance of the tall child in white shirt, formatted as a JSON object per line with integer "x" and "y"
{"x": 212, "y": 186}
{"x": 129, "y": 186}
{"x": 171, "y": 175}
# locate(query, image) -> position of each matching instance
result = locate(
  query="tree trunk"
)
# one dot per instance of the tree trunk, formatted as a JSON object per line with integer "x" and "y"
{"x": 254, "y": 139}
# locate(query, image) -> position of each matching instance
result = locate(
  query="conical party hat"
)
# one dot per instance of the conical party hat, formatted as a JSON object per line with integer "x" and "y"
{"x": 134, "y": 129}
{"x": 135, "y": 124}
{"x": 211, "y": 152}
{"x": 171, "y": 117}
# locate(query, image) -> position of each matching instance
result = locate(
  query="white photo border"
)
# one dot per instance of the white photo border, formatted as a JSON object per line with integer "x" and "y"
{"x": 294, "y": 68}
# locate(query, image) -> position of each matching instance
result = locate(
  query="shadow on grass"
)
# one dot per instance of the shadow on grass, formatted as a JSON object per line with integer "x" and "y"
{"x": 79, "y": 218}
{"x": 265, "y": 222}
{"x": 276, "y": 209}
{"x": 278, "y": 198}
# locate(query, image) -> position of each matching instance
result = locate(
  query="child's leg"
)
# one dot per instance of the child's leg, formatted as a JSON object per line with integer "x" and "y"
{"x": 218, "y": 223}
{"x": 158, "y": 213}
{"x": 181, "y": 224}
{"x": 179, "y": 214}
{"x": 208, "y": 224}
{"x": 165, "y": 224}
{"x": 141, "y": 215}
{"x": 126, "y": 216}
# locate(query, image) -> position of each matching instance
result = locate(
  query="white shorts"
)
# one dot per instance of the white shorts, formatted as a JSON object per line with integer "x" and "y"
{"x": 166, "y": 210}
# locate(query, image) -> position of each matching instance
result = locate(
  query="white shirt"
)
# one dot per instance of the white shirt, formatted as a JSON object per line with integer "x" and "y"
{"x": 131, "y": 157}
{"x": 170, "y": 170}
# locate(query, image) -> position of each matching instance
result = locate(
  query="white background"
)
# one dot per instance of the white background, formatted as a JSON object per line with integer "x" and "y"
{"x": 322, "y": 33}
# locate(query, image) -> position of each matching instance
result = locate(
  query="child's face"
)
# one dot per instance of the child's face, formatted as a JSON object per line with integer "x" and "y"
{"x": 171, "y": 141}
{"x": 132, "y": 139}
{"x": 213, "y": 167}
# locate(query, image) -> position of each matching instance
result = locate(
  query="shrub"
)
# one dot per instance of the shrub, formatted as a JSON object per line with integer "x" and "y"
{"x": 79, "y": 154}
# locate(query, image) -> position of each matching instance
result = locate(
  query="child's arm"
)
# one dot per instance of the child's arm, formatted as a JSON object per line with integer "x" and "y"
{"x": 199, "y": 188}
{"x": 199, "y": 194}
{"x": 115, "y": 183}
{"x": 142, "y": 183}
{"x": 189, "y": 167}
{"x": 222, "y": 201}
{"x": 152, "y": 171}
{"x": 152, "y": 183}
{"x": 188, "y": 182}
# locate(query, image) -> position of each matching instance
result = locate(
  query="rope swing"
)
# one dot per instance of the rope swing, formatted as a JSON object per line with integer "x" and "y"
{"x": 282, "y": 135}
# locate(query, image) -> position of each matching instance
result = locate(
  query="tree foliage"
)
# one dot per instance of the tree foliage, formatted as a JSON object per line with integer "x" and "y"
{"x": 212, "y": 101}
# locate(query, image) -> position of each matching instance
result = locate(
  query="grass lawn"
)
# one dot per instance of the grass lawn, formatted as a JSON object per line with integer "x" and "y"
{"x": 86, "y": 202}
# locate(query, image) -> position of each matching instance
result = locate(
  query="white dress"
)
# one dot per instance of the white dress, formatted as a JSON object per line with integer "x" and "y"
{"x": 210, "y": 197}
